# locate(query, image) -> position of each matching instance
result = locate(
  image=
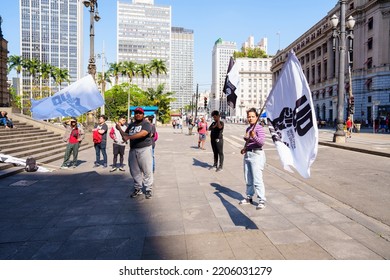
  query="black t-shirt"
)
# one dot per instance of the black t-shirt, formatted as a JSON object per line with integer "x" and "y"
{"x": 215, "y": 132}
{"x": 134, "y": 128}
{"x": 105, "y": 128}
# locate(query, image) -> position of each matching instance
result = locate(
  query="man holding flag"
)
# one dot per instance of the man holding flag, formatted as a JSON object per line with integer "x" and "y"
{"x": 291, "y": 118}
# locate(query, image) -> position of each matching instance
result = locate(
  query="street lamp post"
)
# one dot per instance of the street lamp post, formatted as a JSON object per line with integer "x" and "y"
{"x": 339, "y": 135}
{"x": 94, "y": 16}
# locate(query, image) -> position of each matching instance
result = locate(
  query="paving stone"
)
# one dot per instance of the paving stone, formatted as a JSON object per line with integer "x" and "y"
{"x": 165, "y": 247}
{"x": 287, "y": 236}
{"x": 349, "y": 250}
{"x": 272, "y": 222}
{"x": 308, "y": 250}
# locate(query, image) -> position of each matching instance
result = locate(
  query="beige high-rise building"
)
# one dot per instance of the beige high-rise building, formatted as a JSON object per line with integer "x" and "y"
{"x": 370, "y": 71}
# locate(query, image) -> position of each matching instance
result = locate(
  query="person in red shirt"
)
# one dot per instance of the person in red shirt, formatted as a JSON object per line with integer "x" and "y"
{"x": 73, "y": 136}
{"x": 349, "y": 127}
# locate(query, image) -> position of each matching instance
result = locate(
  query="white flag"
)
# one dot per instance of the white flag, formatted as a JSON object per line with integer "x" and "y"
{"x": 291, "y": 118}
{"x": 74, "y": 100}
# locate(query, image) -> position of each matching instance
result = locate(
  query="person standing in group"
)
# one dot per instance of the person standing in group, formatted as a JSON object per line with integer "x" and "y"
{"x": 202, "y": 131}
{"x": 119, "y": 145}
{"x": 254, "y": 160}
{"x": 190, "y": 125}
{"x": 101, "y": 128}
{"x": 154, "y": 136}
{"x": 73, "y": 136}
{"x": 216, "y": 137}
{"x": 140, "y": 155}
{"x": 349, "y": 127}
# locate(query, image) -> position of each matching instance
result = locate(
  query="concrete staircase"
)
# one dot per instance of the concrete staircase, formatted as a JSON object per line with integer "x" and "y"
{"x": 29, "y": 140}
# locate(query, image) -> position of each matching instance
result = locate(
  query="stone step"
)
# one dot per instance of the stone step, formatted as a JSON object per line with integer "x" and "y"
{"x": 27, "y": 138}
{"x": 33, "y": 146}
{"x": 5, "y": 165}
{"x": 24, "y": 153}
{"x": 7, "y": 144}
{"x": 6, "y": 132}
{"x": 26, "y": 134}
{"x": 11, "y": 171}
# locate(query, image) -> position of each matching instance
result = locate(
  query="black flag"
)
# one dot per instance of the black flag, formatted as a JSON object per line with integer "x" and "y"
{"x": 231, "y": 83}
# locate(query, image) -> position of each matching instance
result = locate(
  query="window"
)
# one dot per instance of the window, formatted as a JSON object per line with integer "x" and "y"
{"x": 370, "y": 24}
{"x": 369, "y": 99}
{"x": 368, "y": 83}
{"x": 369, "y": 63}
{"x": 369, "y": 43}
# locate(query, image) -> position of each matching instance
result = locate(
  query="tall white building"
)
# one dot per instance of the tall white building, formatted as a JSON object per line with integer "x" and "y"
{"x": 222, "y": 51}
{"x": 255, "y": 84}
{"x": 144, "y": 34}
{"x": 50, "y": 31}
{"x": 182, "y": 66}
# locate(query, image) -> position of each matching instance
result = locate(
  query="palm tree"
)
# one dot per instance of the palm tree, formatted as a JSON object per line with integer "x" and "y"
{"x": 16, "y": 62}
{"x": 162, "y": 100}
{"x": 46, "y": 70}
{"x": 102, "y": 79}
{"x": 158, "y": 66}
{"x": 144, "y": 71}
{"x": 60, "y": 76}
{"x": 33, "y": 67}
{"x": 129, "y": 68}
{"x": 115, "y": 69}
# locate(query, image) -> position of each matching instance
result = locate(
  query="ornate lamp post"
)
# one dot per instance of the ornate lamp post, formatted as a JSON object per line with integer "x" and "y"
{"x": 94, "y": 16}
{"x": 339, "y": 135}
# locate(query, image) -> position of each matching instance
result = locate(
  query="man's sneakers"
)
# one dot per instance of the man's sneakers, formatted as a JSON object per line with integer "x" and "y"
{"x": 136, "y": 193}
{"x": 121, "y": 169}
{"x": 113, "y": 169}
{"x": 64, "y": 167}
{"x": 148, "y": 194}
{"x": 219, "y": 169}
{"x": 260, "y": 205}
{"x": 247, "y": 200}
{"x": 213, "y": 167}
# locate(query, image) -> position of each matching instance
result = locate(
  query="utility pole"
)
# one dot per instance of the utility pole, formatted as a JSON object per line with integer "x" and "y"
{"x": 196, "y": 102}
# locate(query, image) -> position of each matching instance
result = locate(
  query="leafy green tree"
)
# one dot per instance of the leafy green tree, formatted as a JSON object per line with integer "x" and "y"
{"x": 129, "y": 69}
{"x": 162, "y": 100}
{"x": 116, "y": 99}
{"x": 16, "y": 62}
{"x": 144, "y": 71}
{"x": 60, "y": 75}
{"x": 251, "y": 53}
{"x": 15, "y": 99}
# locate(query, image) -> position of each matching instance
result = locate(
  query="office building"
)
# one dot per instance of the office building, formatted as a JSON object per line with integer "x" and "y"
{"x": 4, "y": 90}
{"x": 144, "y": 34}
{"x": 182, "y": 67}
{"x": 50, "y": 31}
{"x": 370, "y": 65}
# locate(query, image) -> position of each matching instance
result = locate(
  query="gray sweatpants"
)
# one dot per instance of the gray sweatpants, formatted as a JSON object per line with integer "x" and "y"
{"x": 140, "y": 163}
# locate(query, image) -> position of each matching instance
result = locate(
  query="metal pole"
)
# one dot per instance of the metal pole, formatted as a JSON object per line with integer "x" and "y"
{"x": 196, "y": 101}
{"x": 339, "y": 135}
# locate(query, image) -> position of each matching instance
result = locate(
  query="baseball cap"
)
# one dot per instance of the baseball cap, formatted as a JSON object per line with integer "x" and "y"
{"x": 139, "y": 109}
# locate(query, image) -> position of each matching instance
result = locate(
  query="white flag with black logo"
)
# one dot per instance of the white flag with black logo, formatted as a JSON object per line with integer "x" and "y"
{"x": 232, "y": 82}
{"x": 291, "y": 118}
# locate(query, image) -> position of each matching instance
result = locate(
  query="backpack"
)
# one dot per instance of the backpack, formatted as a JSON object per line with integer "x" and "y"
{"x": 97, "y": 137}
{"x": 31, "y": 164}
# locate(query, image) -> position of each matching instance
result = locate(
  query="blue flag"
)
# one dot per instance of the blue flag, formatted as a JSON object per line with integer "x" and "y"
{"x": 74, "y": 100}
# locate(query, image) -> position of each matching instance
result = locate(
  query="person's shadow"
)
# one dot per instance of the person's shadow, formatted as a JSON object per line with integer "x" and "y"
{"x": 238, "y": 218}
{"x": 203, "y": 164}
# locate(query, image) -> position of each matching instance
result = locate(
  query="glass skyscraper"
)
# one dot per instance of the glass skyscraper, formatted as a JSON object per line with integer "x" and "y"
{"x": 182, "y": 73}
{"x": 50, "y": 31}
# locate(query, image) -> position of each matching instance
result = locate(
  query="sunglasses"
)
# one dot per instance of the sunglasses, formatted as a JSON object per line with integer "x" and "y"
{"x": 138, "y": 113}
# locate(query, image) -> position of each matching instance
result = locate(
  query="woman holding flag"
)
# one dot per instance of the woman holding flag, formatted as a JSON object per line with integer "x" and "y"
{"x": 254, "y": 160}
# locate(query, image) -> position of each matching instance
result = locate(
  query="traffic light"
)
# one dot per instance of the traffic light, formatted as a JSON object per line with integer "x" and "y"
{"x": 205, "y": 102}
{"x": 352, "y": 105}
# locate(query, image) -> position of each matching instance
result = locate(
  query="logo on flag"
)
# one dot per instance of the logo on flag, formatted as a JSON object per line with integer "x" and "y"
{"x": 291, "y": 118}
{"x": 232, "y": 81}
{"x": 74, "y": 100}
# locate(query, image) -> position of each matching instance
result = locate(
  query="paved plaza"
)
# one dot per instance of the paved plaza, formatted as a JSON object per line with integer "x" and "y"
{"x": 86, "y": 213}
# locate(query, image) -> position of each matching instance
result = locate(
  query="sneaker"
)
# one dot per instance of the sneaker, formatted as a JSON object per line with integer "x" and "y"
{"x": 148, "y": 194}
{"x": 219, "y": 169}
{"x": 96, "y": 165}
{"x": 113, "y": 169}
{"x": 260, "y": 205}
{"x": 213, "y": 167}
{"x": 74, "y": 166}
{"x": 136, "y": 193}
{"x": 247, "y": 200}
{"x": 121, "y": 169}
{"x": 105, "y": 165}
{"x": 64, "y": 167}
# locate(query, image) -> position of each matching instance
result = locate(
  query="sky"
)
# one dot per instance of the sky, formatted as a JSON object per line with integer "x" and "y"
{"x": 281, "y": 21}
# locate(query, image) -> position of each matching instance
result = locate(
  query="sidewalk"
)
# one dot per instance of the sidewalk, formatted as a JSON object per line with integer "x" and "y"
{"x": 86, "y": 213}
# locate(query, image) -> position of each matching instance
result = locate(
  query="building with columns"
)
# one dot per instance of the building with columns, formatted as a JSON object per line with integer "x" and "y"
{"x": 4, "y": 90}
{"x": 370, "y": 65}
